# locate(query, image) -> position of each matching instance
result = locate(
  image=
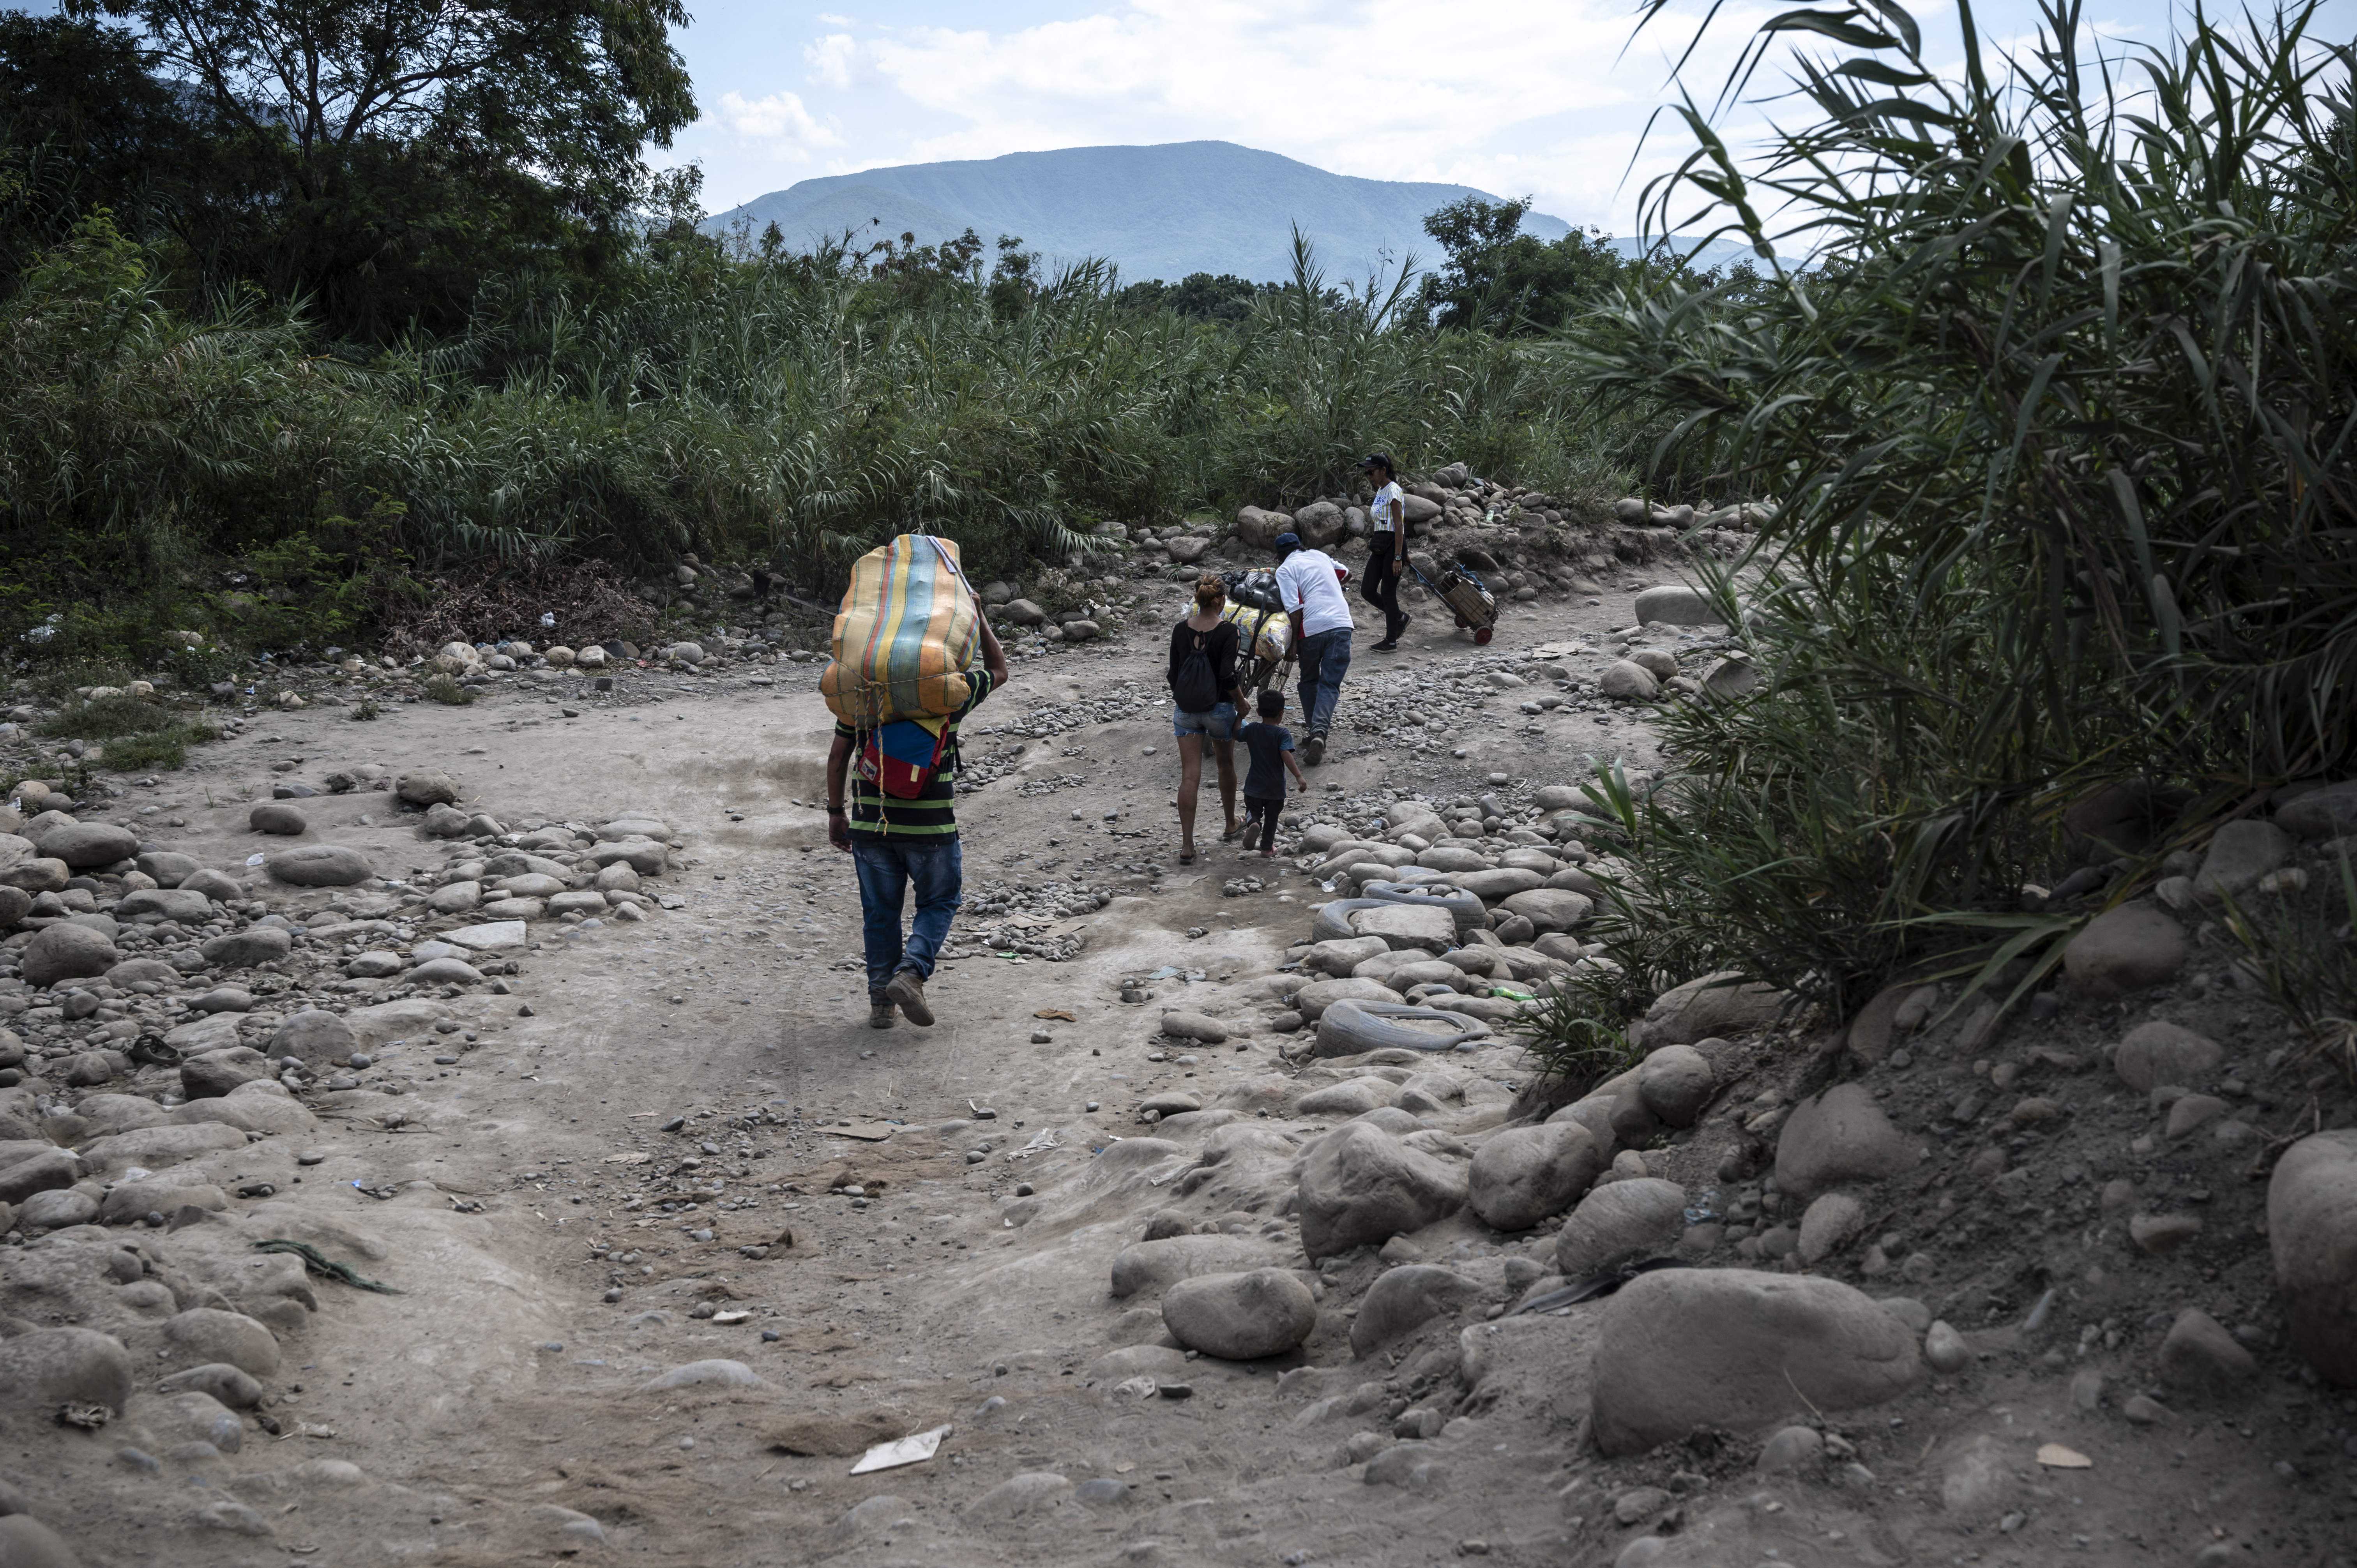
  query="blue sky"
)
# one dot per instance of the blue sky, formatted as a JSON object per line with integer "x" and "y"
{"x": 1543, "y": 97}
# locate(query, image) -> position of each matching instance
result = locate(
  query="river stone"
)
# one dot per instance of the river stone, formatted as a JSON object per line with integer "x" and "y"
{"x": 1407, "y": 926}
{"x": 156, "y": 1147}
{"x": 389, "y": 1021}
{"x": 2312, "y": 1229}
{"x": 455, "y": 897}
{"x": 1841, "y": 1135}
{"x": 216, "y": 1024}
{"x": 2156, "y": 1053}
{"x": 15, "y": 905}
{"x": 2200, "y": 1357}
{"x": 84, "y": 846}
{"x": 181, "y": 905}
{"x": 47, "y": 1171}
{"x": 320, "y": 865}
{"x": 215, "y": 1073}
{"x": 1622, "y": 1221}
{"x": 1033, "y": 1492}
{"x": 717, "y": 1373}
{"x": 217, "y": 885}
{"x": 2132, "y": 948}
{"x": 1349, "y": 1098}
{"x": 167, "y": 867}
{"x": 66, "y": 952}
{"x": 243, "y": 950}
{"x": 426, "y": 786}
{"x": 53, "y": 1367}
{"x": 2239, "y": 854}
{"x": 278, "y": 818}
{"x": 1629, "y": 680}
{"x": 167, "y": 1195}
{"x": 446, "y": 971}
{"x": 1675, "y": 1083}
{"x": 26, "y": 1543}
{"x": 1403, "y": 1298}
{"x": 446, "y": 821}
{"x": 1549, "y": 909}
{"x": 1680, "y": 1348}
{"x": 231, "y": 1386}
{"x": 1493, "y": 886}
{"x": 1360, "y": 1186}
{"x": 1830, "y": 1221}
{"x": 312, "y": 1035}
{"x": 58, "y": 1207}
{"x": 1194, "y": 1027}
{"x": 1712, "y": 1006}
{"x": 1146, "y": 1267}
{"x": 2324, "y": 814}
{"x": 1675, "y": 604}
{"x": 1312, "y": 1000}
{"x": 1522, "y": 1174}
{"x": 1240, "y": 1317}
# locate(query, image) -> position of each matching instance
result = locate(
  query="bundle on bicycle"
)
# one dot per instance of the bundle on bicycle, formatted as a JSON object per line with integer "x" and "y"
{"x": 1258, "y": 612}
{"x": 1461, "y": 589}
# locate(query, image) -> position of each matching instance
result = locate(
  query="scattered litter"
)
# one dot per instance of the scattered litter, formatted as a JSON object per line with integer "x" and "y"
{"x": 913, "y": 1450}
{"x": 254, "y": 859}
{"x": 2054, "y": 1456}
{"x": 1041, "y": 1142}
{"x": 1137, "y": 1387}
{"x": 318, "y": 1262}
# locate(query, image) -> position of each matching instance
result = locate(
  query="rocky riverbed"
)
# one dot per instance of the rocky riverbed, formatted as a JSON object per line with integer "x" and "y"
{"x": 544, "y": 1014}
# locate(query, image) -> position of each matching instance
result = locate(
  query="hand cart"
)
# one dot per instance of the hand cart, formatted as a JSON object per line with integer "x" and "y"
{"x": 1461, "y": 589}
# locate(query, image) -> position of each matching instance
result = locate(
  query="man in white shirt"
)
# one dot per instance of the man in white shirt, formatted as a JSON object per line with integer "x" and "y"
{"x": 1313, "y": 597}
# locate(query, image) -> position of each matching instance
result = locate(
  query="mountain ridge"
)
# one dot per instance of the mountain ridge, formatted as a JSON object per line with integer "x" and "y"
{"x": 1164, "y": 211}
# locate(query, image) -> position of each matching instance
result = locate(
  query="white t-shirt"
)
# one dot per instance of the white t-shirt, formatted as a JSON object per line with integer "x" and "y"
{"x": 1379, "y": 510}
{"x": 1306, "y": 582}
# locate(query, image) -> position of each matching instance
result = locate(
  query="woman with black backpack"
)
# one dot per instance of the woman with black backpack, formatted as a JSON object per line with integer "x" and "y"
{"x": 1205, "y": 701}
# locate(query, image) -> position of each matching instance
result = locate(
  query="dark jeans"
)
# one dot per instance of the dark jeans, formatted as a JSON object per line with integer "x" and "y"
{"x": 1383, "y": 586}
{"x": 886, "y": 870}
{"x": 1266, "y": 811}
{"x": 1325, "y": 659}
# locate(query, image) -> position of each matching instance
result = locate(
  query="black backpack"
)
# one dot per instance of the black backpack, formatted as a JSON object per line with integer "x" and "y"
{"x": 1197, "y": 689}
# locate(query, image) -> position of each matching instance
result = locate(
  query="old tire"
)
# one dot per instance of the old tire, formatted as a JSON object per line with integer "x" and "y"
{"x": 1349, "y": 1028}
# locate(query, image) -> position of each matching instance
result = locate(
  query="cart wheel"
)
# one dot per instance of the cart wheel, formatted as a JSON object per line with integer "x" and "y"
{"x": 1482, "y": 637}
{"x": 1460, "y": 623}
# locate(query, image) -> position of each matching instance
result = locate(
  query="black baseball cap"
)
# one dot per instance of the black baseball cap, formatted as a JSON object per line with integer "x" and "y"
{"x": 1383, "y": 459}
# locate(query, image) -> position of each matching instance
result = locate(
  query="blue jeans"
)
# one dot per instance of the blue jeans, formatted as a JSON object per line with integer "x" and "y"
{"x": 886, "y": 870}
{"x": 1325, "y": 659}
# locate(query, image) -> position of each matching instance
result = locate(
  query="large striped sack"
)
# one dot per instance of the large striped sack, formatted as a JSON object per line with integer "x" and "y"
{"x": 905, "y": 637}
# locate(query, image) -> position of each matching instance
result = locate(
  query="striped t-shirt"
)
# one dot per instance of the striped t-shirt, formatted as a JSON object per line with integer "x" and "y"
{"x": 932, "y": 817}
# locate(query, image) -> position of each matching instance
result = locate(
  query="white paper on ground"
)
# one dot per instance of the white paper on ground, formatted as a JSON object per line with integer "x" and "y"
{"x": 900, "y": 1450}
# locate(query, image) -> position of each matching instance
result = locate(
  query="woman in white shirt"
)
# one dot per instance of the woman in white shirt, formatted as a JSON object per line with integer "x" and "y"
{"x": 1387, "y": 542}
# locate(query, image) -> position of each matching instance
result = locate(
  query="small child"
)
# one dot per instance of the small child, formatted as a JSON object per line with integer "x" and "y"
{"x": 1271, "y": 746}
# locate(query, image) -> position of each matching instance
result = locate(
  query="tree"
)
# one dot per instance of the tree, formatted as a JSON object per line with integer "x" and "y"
{"x": 409, "y": 133}
{"x": 1499, "y": 278}
{"x": 1199, "y": 296}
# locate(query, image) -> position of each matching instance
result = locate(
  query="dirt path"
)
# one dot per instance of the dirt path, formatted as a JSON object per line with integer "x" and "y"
{"x": 637, "y": 1168}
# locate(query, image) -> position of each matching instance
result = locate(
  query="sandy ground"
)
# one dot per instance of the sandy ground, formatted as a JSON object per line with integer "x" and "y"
{"x": 503, "y": 1389}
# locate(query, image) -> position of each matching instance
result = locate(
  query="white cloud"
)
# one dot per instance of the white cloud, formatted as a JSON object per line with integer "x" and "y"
{"x": 1514, "y": 96}
{"x": 780, "y": 121}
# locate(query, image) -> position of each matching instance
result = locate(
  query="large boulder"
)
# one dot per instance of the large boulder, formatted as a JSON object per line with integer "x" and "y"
{"x": 1681, "y": 1348}
{"x": 1675, "y": 1083}
{"x": 66, "y": 952}
{"x": 207, "y": 1334}
{"x": 1407, "y": 926}
{"x": 53, "y": 1367}
{"x": 1838, "y": 1136}
{"x": 86, "y": 844}
{"x": 1406, "y": 1298}
{"x": 1319, "y": 523}
{"x": 1523, "y": 1174}
{"x": 313, "y": 1035}
{"x": 1549, "y": 909}
{"x": 1240, "y": 1317}
{"x": 1259, "y": 528}
{"x": 1492, "y": 886}
{"x": 2322, "y": 814}
{"x": 1628, "y": 680}
{"x": 320, "y": 865}
{"x": 219, "y": 1071}
{"x": 1618, "y": 1222}
{"x": 1713, "y": 1006}
{"x": 2312, "y": 1229}
{"x": 2130, "y": 949}
{"x": 1675, "y": 604}
{"x": 47, "y": 1170}
{"x": 1360, "y": 1186}
{"x": 426, "y": 786}
{"x": 178, "y": 905}
{"x": 2240, "y": 853}
{"x": 2156, "y": 1053}
{"x": 1146, "y": 1267}
{"x": 44, "y": 874}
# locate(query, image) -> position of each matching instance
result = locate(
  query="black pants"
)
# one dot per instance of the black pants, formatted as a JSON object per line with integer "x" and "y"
{"x": 1382, "y": 584}
{"x": 1267, "y": 811}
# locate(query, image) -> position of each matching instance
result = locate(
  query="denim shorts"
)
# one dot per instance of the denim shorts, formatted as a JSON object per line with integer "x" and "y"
{"x": 1220, "y": 724}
